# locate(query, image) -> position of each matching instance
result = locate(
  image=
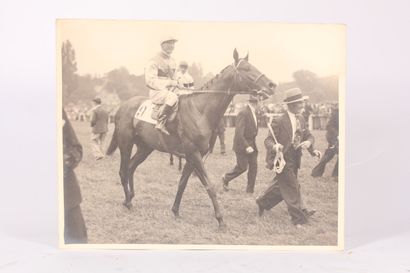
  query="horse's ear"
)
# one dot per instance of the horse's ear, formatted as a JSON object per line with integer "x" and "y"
{"x": 235, "y": 55}
{"x": 246, "y": 57}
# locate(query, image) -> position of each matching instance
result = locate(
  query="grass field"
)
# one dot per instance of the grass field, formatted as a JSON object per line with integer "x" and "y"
{"x": 151, "y": 219}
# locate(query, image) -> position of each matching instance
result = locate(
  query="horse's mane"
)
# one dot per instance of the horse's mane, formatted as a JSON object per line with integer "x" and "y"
{"x": 205, "y": 86}
{"x": 211, "y": 81}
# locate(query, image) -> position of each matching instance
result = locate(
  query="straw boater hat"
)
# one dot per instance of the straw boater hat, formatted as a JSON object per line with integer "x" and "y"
{"x": 168, "y": 39}
{"x": 294, "y": 95}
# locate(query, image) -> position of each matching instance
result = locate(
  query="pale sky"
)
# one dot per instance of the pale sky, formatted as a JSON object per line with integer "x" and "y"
{"x": 277, "y": 50}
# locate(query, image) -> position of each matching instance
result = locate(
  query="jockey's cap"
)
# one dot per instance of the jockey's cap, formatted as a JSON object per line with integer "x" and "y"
{"x": 168, "y": 39}
{"x": 183, "y": 64}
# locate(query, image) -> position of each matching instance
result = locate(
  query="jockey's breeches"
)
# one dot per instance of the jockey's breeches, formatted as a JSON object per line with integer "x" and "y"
{"x": 163, "y": 97}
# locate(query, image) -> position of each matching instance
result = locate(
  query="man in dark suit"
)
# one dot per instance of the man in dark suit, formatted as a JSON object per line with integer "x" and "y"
{"x": 75, "y": 231}
{"x": 306, "y": 112}
{"x": 291, "y": 137}
{"x": 99, "y": 124}
{"x": 244, "y": 146}
{"x": 332, "y": 137}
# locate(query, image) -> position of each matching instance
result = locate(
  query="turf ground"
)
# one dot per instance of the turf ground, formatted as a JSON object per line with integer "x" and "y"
{"x": 151, "y": 220}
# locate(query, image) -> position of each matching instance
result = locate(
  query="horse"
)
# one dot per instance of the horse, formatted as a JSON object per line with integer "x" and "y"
{"x": 197, "y": 116}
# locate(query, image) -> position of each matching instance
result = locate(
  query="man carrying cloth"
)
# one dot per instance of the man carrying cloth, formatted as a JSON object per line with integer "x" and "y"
{"x": 99, "y": 125}
{"x": 291, "y": 137}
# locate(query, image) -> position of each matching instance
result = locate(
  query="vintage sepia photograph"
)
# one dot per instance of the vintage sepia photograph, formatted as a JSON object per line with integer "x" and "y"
{"x": 200, "y": 135}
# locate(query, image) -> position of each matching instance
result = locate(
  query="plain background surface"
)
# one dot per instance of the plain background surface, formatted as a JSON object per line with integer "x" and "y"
{"x": 377, "y": 127}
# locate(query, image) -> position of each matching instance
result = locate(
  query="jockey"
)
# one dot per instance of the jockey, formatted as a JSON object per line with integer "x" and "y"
{"x": 183, "y": 78}
{"x": 160, "y": 79}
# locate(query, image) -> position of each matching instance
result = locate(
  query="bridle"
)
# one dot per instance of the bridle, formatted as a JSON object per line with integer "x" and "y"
{"x": 257, "y": 78}
{"x": 238, "y": 76}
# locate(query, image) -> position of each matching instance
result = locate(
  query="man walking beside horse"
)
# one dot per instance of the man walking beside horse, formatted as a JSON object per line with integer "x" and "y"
{"x": 244, "y": 145}
{"x": 289, "y": 136}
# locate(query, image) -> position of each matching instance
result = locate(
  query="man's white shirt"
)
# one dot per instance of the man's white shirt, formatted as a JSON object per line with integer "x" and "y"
{"x": 292, "y": 118}
{"x": 253, "y": 114}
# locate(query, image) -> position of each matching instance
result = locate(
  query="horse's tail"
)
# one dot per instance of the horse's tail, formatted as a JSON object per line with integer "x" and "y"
{"x": 114, "y": 139}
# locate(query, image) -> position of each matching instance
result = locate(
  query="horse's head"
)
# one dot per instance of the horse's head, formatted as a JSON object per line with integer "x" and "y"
{"x": 249, "y": 78}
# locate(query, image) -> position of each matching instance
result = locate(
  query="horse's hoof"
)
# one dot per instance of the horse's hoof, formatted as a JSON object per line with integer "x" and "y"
{"x": 176, "y": 213}
{"x": 222, "y": 227}
{"x": 128, "y": 205}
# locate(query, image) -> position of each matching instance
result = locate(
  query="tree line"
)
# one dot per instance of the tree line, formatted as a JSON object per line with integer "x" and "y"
{"x": 126, "y": 85}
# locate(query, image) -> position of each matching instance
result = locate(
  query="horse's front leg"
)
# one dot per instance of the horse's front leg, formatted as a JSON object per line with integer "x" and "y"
{"x": 186, "y": 173}
{"x": 196, "y": 160}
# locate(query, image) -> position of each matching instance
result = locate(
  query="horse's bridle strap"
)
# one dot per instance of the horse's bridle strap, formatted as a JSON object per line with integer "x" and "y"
{"x": 257, "y": 79}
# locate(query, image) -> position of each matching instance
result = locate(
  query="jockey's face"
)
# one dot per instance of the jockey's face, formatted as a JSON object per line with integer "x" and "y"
{"x": 183, "y": 69}
{"x": 168, "y": 47}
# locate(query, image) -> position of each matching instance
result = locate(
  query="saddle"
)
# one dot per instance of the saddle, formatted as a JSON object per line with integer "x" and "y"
{"x": 148, "y": 112}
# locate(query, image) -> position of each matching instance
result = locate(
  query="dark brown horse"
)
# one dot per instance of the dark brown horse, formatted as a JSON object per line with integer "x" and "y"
{"x": 198, "y": 114}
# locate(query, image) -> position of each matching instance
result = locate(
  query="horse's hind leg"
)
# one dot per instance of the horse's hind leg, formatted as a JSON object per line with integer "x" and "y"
{"x": 125, "y": 150}
{"x": 186, "y": 172}
{"x": 142, "y": 153}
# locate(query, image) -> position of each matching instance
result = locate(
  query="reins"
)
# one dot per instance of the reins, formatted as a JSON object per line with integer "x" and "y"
{"x": 229, "y": 91}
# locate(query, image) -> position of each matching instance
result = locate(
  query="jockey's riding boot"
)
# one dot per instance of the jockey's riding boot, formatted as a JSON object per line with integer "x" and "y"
{"x": 162, "y": 119}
